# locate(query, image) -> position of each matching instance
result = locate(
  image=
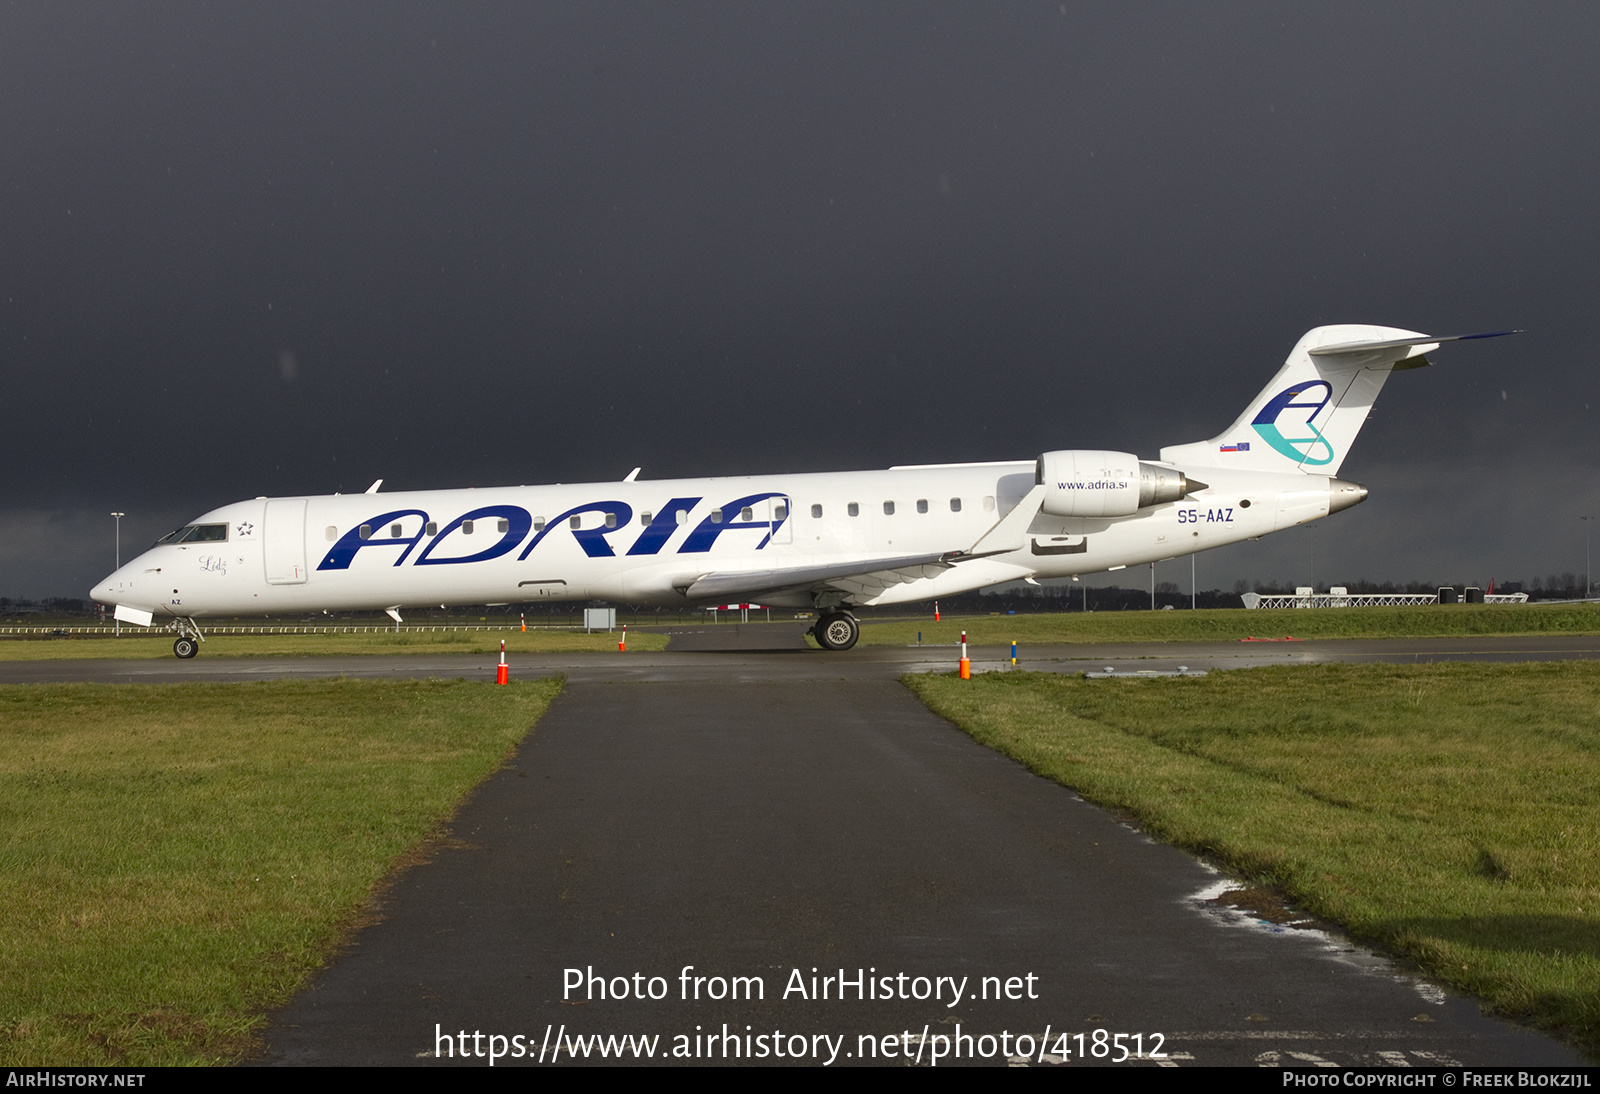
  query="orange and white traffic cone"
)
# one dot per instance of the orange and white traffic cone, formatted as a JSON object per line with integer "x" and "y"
{"x": 966, "y": 663}
{"x": 936, "y": 611}
{"x": 504, "y": 675}
{"x": 622, "y": 646}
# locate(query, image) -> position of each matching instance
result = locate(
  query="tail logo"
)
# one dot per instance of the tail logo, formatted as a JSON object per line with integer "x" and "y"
{"x": 1305, "y": 442}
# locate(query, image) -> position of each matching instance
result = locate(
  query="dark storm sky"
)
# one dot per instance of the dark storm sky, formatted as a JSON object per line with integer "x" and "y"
{"x": 284, "y": 248}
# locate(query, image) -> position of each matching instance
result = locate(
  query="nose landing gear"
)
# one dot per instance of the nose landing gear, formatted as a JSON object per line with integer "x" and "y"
{"x": 189, "y": 638}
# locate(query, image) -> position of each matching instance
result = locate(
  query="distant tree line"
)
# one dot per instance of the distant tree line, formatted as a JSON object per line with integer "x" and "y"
{"x": 54, "y": 605}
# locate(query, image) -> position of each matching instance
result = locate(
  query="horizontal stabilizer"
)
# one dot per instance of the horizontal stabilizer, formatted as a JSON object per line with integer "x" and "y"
{"x": 1399, "y": 343}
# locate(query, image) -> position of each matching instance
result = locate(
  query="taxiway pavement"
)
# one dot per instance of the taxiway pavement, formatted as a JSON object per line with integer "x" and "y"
{"x": 788, "y": 829}
{"x": 749, "y": 652}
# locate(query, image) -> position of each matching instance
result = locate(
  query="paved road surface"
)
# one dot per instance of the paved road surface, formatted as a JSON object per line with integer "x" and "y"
{"x": 768, "y": 655}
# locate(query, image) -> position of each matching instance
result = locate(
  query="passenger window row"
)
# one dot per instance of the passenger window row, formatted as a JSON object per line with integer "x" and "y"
{"x": 195, "y": 533}
{"x": 854, "y": 508}
{"x": 397, "y": 531}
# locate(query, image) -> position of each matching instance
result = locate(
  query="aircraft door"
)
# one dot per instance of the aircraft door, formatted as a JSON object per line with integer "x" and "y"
{"x": 284, "y": 548}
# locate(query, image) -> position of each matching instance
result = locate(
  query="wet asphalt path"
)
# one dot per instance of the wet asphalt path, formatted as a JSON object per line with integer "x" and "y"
{"x": 784, "y": 821}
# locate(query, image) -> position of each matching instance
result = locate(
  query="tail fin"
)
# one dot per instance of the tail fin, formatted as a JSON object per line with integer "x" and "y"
{"x": 1308, "y": 416}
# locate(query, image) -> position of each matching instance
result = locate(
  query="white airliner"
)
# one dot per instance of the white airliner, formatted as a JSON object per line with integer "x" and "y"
{"x": 827, "y": 542}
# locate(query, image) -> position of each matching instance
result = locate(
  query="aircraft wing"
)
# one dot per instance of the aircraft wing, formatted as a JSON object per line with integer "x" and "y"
{"x": 866, "y": 578}
{"x": 871, "y": 573}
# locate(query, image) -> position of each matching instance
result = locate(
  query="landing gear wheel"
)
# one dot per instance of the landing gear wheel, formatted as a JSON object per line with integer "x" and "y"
{"x": 837, "y": 631}
{"x": 186, "y": 648}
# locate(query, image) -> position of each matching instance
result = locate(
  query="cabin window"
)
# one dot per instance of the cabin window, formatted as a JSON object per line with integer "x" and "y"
{"x": 955, "y": 505}
{"x": 432, "y": 528}
{"x": 644, "y": 519}
{"x": 611, "y": 520}
{"x": 780, "y": 512}
{"x": 745, "y": 513}
{"x": 853, "y": 509}
{"x": 922, "y": 505}
{"x": 988, "y": 503}
{"x": 683, "y": 516}
{"x": 395, "y": 533}
{"x": 538, "y": 524}
{"x": 504, "y": 526}
{"x": 577, "y": 521}
{"x": 716, "y": 516}
{"x": 366, "y": 531}
{"x": 816, "y": 512}
{"x": 332, "y": 534}
{"x": 888, "y": 508}
{"x": 466, "y": 527}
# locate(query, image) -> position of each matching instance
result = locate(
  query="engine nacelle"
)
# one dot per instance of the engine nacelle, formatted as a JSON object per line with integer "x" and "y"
{"x": 1089, "y": 483}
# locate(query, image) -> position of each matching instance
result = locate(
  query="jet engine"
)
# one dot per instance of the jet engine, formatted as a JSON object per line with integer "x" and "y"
{"x": 1087, "y": 483}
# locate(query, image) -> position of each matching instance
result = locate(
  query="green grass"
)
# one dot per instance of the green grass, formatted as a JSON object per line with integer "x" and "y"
{"x": 176, "y": 860}
{"x": 1448, "y": 812}
{"x": 327, "y": 645}
{"x": 1232, "y": 624}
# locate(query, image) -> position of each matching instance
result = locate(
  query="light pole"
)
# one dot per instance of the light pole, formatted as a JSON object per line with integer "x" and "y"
{"x": 1588, "y": 582}
{"x": 117, "y": 518}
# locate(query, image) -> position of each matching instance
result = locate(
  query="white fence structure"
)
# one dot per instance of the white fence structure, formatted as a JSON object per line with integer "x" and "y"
{"x": 107, "y": 631}
{"x": 1338, "y": 598}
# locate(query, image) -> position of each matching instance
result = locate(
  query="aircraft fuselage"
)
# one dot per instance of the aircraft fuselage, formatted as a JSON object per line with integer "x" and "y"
{"x": 647, "y": 542}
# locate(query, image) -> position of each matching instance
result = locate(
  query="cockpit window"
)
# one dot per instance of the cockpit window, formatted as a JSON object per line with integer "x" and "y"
{"x": 196, "y": 533}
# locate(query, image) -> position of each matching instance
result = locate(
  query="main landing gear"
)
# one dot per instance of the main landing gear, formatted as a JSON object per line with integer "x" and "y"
{"x": 836, "y": 630}
{"x": 189, "y": 638}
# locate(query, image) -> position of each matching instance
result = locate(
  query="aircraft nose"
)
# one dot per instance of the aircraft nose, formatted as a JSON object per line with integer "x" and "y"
{"x": 112, "y": 588}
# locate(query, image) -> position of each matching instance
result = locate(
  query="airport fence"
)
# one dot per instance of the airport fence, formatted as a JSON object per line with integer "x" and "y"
{"x": 1366, "y": 600}
{"x": 108, "y": 629}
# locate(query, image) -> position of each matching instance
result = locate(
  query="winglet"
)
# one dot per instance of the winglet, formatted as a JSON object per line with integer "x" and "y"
{"x": 373, "y": 489}
{"x": 1012, "y": 530}
{"x": 634, "y": 474}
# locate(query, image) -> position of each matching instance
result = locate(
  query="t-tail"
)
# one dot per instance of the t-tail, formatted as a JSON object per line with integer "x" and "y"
{"x": 1308, "y": 416}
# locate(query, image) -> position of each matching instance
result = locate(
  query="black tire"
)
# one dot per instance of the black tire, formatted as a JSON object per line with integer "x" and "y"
{"x": 837, "y": 631}
{"x": 186, "y": 648}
